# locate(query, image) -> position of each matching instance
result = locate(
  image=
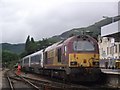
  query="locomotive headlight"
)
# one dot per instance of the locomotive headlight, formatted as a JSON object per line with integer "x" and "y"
{"x": 73, "y": 63}
{"x": 95, "y": 63}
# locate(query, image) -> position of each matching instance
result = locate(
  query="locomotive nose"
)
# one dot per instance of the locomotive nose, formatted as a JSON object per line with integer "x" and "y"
{"x": 84, "y": 60}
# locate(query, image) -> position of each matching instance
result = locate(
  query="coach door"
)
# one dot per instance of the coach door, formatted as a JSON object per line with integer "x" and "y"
{"x": 59, "y": 55}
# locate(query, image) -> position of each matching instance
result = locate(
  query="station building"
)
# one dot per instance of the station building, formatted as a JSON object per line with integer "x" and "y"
{"x": 109, "y": 41}
{"x": 109, "y": 48}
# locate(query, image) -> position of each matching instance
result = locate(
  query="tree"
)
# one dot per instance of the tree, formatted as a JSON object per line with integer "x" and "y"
{"x": 9, "y": 58}
{"x": 32, "y": 40}
{"x": 27, "y": 43}
{"x": 30, "y": 46}
{"x": 44, "y": 43}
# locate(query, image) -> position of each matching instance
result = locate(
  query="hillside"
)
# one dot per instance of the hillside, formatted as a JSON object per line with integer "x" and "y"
{"x": 92, "y": 30}
{"x": 15, "y": 48}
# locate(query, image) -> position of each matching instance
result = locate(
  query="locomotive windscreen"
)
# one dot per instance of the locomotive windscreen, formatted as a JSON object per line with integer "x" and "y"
{"x": 83, "y": 46}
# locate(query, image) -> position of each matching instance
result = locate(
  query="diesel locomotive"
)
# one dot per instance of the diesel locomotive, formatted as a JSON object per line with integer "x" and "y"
{"x": 76, "y": 59}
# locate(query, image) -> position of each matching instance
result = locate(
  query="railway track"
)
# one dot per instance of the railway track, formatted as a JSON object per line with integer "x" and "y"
{"x": 53, "y": 85}
{"x": 40, "y": 84}
{"x": 46, "y": 84}
{"x": 17, "y": 82}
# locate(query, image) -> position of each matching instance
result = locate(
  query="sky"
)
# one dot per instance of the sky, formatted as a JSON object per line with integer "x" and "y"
{"x": 46, "y": 18}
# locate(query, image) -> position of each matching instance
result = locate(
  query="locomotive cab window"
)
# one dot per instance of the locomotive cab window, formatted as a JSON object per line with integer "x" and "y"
{"x": 83, "y": 46}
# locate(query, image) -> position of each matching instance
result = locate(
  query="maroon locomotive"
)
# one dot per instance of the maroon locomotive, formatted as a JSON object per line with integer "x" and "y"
{"x": 76, "y": 58}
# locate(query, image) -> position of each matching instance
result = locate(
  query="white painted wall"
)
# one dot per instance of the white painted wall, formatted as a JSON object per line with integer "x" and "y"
{"x": 107, "y": 48}
{"x": 110, "y": 29}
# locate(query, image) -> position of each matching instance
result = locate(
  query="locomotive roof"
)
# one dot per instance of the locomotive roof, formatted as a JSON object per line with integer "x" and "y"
{"x": 54, "y": 45}
{"x": 59, "y": 43}
{"x": 68, "y": 40}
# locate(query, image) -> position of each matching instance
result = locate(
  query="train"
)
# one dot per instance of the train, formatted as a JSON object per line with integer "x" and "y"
{"x": 75, "y": 58}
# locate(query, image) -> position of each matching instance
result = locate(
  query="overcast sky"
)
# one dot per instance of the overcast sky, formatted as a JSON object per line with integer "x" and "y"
{"x": 46, "y": 18}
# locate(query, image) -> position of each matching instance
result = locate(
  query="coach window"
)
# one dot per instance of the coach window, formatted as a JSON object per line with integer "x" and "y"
{"x": 26, "y": 60}
{"x": 40, "y": 57}
{"x": 32, "y": 59}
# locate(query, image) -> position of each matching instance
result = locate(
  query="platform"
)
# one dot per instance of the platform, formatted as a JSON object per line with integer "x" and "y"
{"x": 111, "y": 71}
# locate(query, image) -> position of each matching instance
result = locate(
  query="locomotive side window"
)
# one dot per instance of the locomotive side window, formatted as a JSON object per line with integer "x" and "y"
{"x": 59, "y": 55}
{"x": 65, "y": 49}
{"x": 83, "y": 46}
{"x": 45, "y": 57}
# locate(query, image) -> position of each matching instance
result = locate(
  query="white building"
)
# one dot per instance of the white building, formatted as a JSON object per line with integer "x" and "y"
{"x": 108, "y": 48}
{"x": 109, "y": 42}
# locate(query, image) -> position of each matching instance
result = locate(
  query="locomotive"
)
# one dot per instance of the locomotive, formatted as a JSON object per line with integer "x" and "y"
{"x": 76, "y": 59}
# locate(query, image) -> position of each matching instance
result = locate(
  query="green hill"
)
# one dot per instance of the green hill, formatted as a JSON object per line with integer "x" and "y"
{"x": 15, "y": 48}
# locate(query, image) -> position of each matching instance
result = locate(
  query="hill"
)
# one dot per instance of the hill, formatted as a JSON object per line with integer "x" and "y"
{"x": 92, "y": 30}
{"x": 15, "y": 48}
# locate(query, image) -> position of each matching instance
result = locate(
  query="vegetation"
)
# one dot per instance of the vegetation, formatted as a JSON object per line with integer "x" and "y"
{"x": 9, "y": 59}
{"x": 15, "y": 48}
{"x": 31, "y": 46}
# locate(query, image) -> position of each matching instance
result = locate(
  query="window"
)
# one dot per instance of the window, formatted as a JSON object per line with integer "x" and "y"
{"x": 45, "y": 57}
{"x": 26, "y": 60}
{"x": 115, "y": 48}
{"x": 65, "y": 49}
{"x": 83, "y": 46}
{"x": 107, "y": 50}
{"x": 35, "y": 58}
{"x": 119, "y": 47}
{"x": 110, "y": 50}
{"x": 59, "y": 55}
